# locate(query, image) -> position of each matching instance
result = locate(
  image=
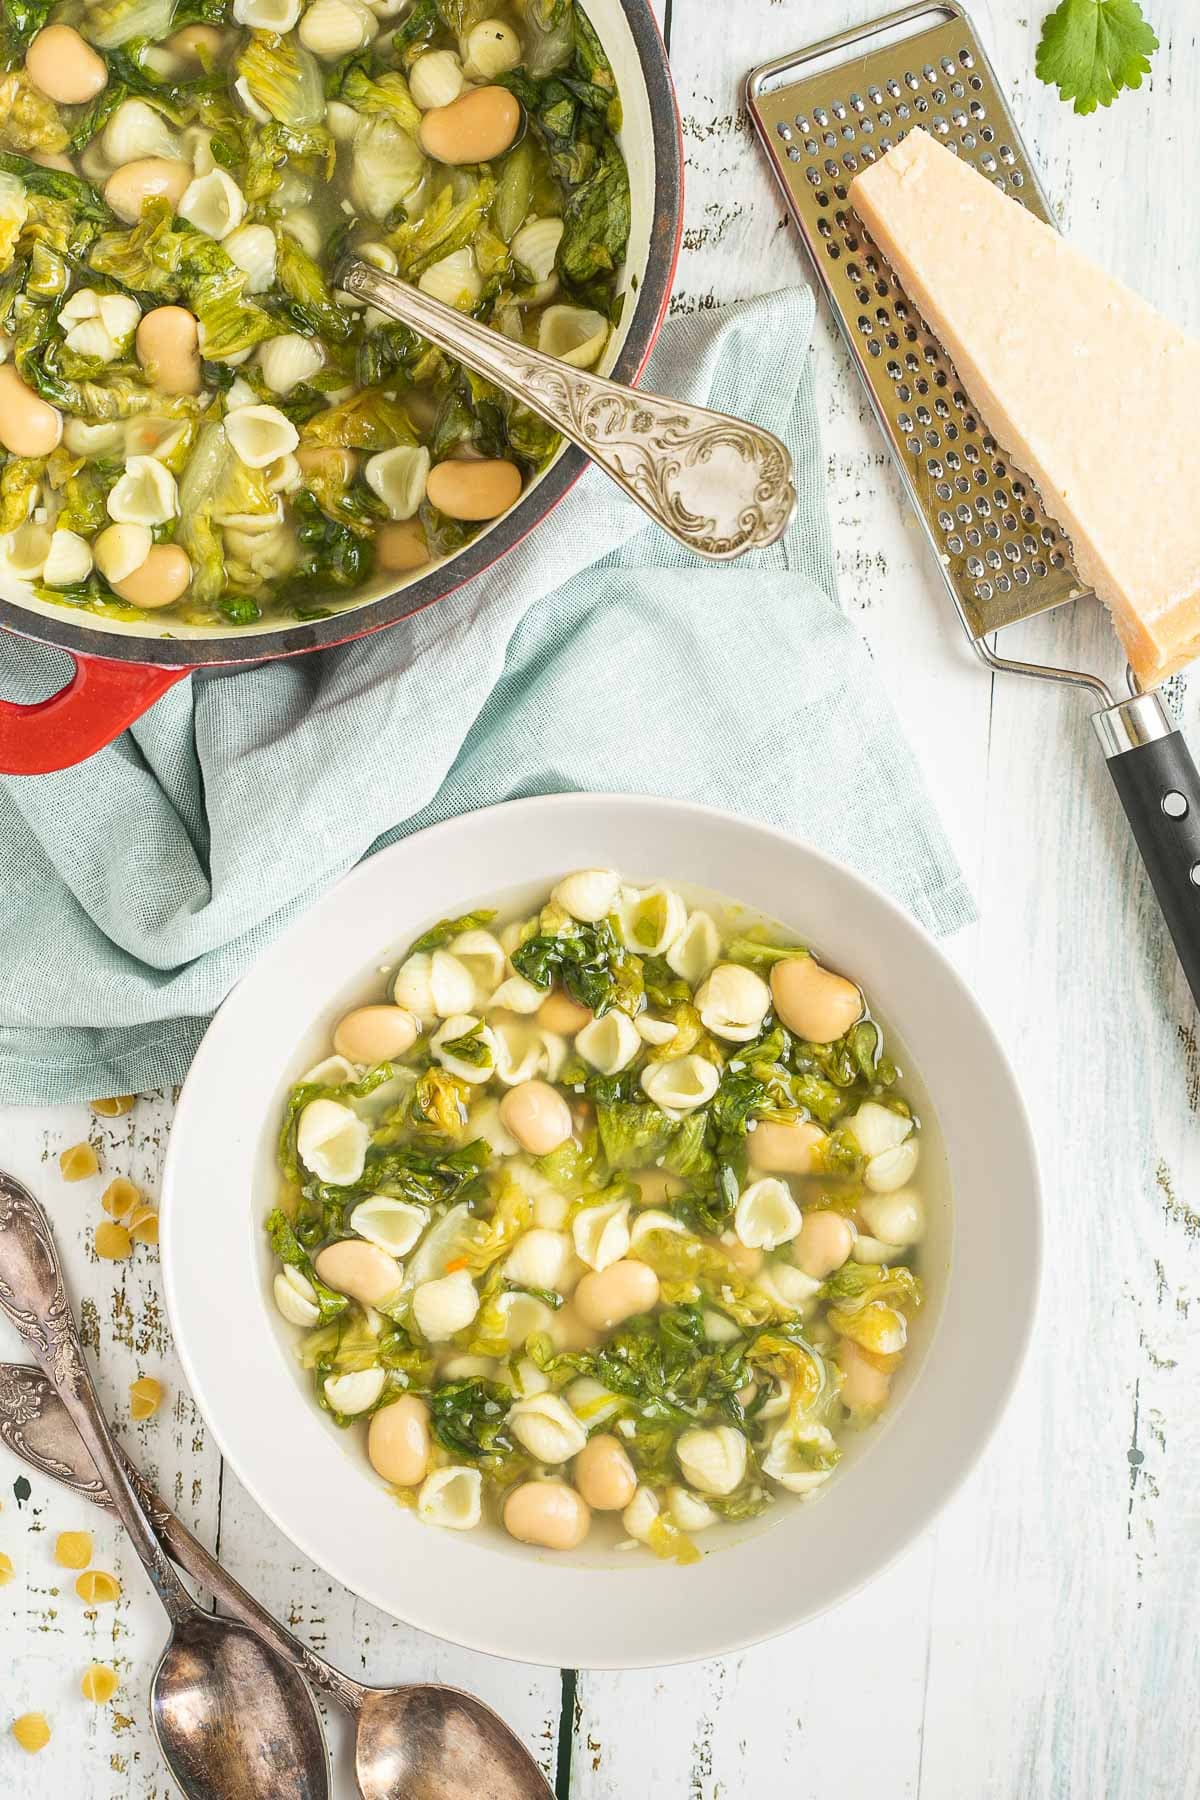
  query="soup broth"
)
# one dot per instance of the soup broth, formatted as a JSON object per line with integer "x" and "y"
{"x": 608, "y": 1205}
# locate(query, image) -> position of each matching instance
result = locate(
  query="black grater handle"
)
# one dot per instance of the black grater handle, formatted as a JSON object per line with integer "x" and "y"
{"x": 1159, "y": 786}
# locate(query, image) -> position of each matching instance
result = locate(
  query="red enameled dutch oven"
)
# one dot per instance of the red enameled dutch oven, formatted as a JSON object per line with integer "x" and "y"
{"x": 121, "y": 669}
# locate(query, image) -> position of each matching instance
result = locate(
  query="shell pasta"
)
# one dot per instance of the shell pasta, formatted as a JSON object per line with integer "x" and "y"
{"x": 611, "y": 1208}
{"x": 194, "y": 420}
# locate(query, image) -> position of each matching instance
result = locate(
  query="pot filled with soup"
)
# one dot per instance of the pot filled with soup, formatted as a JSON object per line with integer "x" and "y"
{"x": 209, "y": 454}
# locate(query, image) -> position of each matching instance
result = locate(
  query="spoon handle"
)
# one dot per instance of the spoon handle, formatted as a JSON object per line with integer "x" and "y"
{"x": 719, "y": 485}
{"x": 35, "y": 1426}
{"x": 33, "y": 1297}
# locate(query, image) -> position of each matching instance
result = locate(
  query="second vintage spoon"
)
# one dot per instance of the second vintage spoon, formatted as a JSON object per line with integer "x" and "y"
{"x": 232, "y": 1717}
{"x": 719, "y": 485}
{"x": 419, "y": 1742}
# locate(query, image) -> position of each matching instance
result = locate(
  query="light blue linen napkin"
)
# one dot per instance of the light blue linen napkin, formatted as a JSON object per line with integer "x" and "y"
{"x": 138, "y": 887}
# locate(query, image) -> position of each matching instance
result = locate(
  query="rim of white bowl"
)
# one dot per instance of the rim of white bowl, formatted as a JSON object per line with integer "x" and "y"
{"x": 656, "y": 1639}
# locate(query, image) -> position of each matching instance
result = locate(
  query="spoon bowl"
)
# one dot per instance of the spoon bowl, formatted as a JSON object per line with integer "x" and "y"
{"x": 213, "y": 1741}
{"x": 429, "y": 1742}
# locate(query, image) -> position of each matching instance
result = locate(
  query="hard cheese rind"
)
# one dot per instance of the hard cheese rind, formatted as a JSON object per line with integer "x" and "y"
{"x": 1091, "y": 391}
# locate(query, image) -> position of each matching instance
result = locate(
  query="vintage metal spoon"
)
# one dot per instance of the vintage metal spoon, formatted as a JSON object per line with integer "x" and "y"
{"x": 413, "y": 1743}
{"x": 719, "y": 485}
{"x": 232, "y": 1717}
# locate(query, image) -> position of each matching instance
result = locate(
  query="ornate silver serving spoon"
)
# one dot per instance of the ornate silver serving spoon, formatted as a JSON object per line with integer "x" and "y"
{"x": 413, "y": 1743}
{"x": 232, "y": 1717}
{"x": 719, "y": 485}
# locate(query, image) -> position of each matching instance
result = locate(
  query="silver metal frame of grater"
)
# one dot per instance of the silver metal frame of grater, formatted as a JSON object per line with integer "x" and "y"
{"x": 1003, "y": 559}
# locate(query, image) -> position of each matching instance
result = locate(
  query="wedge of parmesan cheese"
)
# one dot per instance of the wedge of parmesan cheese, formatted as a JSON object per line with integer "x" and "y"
{"x": 1084, "y": 385}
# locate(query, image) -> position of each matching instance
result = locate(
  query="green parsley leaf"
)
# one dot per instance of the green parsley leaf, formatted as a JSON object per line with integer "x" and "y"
{"x": 1091, "y": 49}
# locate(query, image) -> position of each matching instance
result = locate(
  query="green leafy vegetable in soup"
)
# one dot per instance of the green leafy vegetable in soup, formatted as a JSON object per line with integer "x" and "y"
{"x": 606, "y": 1209}
{"x": 194, "y": 421}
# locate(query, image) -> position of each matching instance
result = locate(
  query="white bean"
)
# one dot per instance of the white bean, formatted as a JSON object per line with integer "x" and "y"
{"x": 604, "y": 1474}
{"x": 398, "y": 1441}
{"x": 826, "y": 1240}
{"x": 363, "y": 1271}
{"x": 29, "y": 425}
{"x": 537, "y": 1115}
{"x": 64, "y": 68}
{"x": 548, "y": 1513}
{"x": 812, "y": 1001}
{"x": 375, "y": 1034}
{"x": 607, "y": 1297}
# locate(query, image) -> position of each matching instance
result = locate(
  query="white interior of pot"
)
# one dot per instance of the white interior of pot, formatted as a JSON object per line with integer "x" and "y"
{"x": 637, "y": 145}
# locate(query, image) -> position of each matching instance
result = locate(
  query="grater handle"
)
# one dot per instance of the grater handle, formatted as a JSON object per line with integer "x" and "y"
{"x": 1159, "y": 787}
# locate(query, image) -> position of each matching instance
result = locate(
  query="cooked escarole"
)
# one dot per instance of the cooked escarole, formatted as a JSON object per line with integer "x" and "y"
{"x": 608, "y": 1207}
{"x": 176, "y": 190}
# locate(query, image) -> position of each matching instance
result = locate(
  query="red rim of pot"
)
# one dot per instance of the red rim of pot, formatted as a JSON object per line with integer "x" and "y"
{"x": 117, "y": 676}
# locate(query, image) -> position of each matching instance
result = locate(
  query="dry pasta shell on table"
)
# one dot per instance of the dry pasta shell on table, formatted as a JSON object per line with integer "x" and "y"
{"x": 78, "y": 1162}
{"x": 6, "y": 1568}
{"x": 97, "y": 1587}
{"x": 73, "y": 1549}
{"x": 145, "y": 1397}
{"x": 119, "y": 1198}
{"x": 142, "y": 1224}
{"x": 113, "y": 1107}
{"x": 113, "y": 1242}
{"x": 32, "y": 1732}
{"x": 99, "y": 1683}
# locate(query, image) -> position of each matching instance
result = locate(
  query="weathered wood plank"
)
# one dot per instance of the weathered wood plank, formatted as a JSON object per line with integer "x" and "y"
{"x": 1050, "y": 1632}
{"x": 48, "y": 1636}
{"x": 1056, "y": 1620}
{"x": 1040, "y": 1640}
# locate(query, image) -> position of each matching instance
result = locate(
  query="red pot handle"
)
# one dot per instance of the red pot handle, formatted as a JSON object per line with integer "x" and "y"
{"x": 96, "y": 705}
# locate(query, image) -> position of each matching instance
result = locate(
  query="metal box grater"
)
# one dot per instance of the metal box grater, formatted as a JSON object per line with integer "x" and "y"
{"x": 1002, "y": 558}
{"x": 825, "y": 112}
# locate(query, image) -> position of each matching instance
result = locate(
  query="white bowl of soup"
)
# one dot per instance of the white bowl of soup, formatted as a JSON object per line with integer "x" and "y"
{"x": 400, "y": 1201}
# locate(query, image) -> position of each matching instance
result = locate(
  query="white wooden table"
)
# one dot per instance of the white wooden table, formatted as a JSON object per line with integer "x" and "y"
{"x": 1040, "y": 1641}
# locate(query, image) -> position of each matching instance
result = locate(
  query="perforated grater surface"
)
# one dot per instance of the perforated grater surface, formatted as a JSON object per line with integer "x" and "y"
{"x": 1002, "y": 558}
{"x": 824, "y": 113}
